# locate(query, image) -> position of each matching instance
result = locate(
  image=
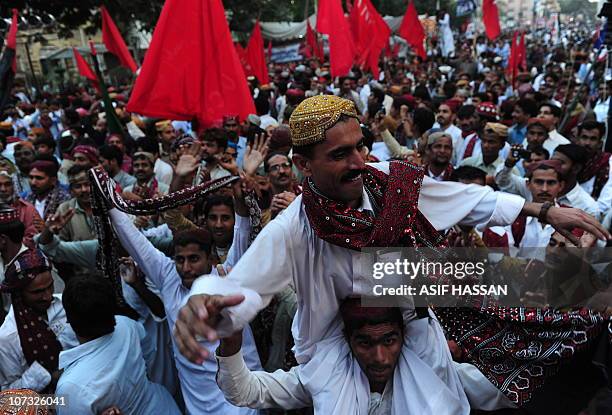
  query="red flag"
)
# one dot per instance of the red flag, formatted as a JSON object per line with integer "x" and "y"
{"x": 191, "y": 69}
{"x": 11, "y": 39}
{"x": 512, "y": 59}
{"x": 490, "y": 18}
{"x": 84, "y": 69}
{"x": 311, "y": 41}
{"x": 522, "y": 56}
{"x": 412, "y": 30}
{"x": 114, "y": 42}
{"x": 331, "y": 21}
{"x": 370, "y": 33}
{"x": 256, "y": 56}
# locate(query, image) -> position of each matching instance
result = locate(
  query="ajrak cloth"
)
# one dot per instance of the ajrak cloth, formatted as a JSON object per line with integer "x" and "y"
{"x": 517, "y": 349}
{"x": 38, "y": 341}
{"x": 599, "y": 168}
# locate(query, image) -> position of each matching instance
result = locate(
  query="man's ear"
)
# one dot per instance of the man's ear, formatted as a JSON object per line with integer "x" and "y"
{"x": 303, "y": 164}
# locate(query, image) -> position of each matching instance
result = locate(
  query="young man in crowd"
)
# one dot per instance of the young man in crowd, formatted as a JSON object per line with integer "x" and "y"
{"x": 111, "y": 159}
{"x": 47, "y": 193}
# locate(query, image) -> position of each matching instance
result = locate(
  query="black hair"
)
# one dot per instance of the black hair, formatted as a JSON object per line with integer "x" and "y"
{"x": 529, "y": 174}
{"x": 368, "y": 137}
{"x": 540, "y": 151}
{"x": 215, "y": 134}
{"x": 148, "y": 145}
{"x": 109, "y": 152}
{"x": 577, "y": 154}
{"x": 13, "y": 230}
{"x": 45, "y": 139}
{"x": 529, "y": 106}
{"x": 76, "y": 170}
{"x": 592, "y": 125}
{"x": 219, "y": 200}
{"x": 423, "y": 119}
{"x": 390, "y": 315}
{"x": 450, "y": 89}
{"x": 466, "y": 111}
{"x": 422, "y": 92}
{"x": 90, "y": 306}
{"x": 262, "y": 103}
{"x": 556, "y": 111}
{"x": 274, "y": 154}
{"x": 198, "y": 236}
{"x": 468, "y": 173}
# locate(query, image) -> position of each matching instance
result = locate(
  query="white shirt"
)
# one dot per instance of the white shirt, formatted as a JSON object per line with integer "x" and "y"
{"x": 200, "y": 390}
{"x": 40, "y": 206}
{"x": 576, "y": 198}
{"x": 503, "y": 153}
{"x": 554, "y": 139}
{"x": 605, "y": 197}
{"x": 14, "y": 370}
{"x": 323, "y": 274}
{"x": 111, "y": 371}
{"x": 163, "y": 172}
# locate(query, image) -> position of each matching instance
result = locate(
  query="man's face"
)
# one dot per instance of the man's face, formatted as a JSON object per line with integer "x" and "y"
{"x": 546, "y": 113}
{"x": 220, "y": 223}
{"x": 39, "y": 293}
{"x": 167, "y": 135}
{"x": 491, "y": 145}
{"x": 117, "y": 142}
{"x": 40, "y": 182}
{"x": 210, "y": 149}
{"x": 80, "y": 188}
{"x": 534, "y": 158}
{"x": 191, "y": 262}
{"x": 519, "y": 116}
{"x": 279, "y": 171}
{"x": 445, "y": 115}
{"x": 467, "y": 124}
{"x": 43, "y": 149}
{"x": 536, "y": 135}
{"x": 346, "y": 86}
{"x": 377, "y": 348}
{"x": 23, "y": 157}
{"x": 232, "y": 125}
{"x": 591, "y": 141}
{"x": 545, "y": 185}
{"x": 143, "y": 170}
{"x": 567, "y": 165}
{"x": 7, "y": 189}
{"x": 442, "y": 151}
{"x": 336, "y": 166}
{"x": 108, "y": 165}
{"x": 81, "y": 159}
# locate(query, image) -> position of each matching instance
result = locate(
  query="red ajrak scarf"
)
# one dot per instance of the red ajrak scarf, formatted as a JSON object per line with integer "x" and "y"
{"x": 600, "y": 168}
{"x": 394, "y": 197}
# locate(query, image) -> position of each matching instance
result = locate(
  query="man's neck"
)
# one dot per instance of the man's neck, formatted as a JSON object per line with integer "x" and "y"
{"x": 488, "y": 160}
{"x": 569, "y": 185}
{"x": 437, "y": 169}
{"x": 144, "y": 182}
{"x": 42, "y": 196}
{"x": 377, "y": 387}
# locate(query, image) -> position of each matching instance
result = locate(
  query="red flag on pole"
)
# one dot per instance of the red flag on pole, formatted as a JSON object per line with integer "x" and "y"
{"x": 522, "y": 60}
{"x": 191, "y": 69}
{"x": 412, "y": 30}
{"x": 311, "y": 41}
{"x": 331, "y": 21}
{"x": 490, "y": 18}
{"x": 256, "y": 56}
{"x": 370, "y": 34}
{"x": 84, "y": 69}
{"x": 512, "y": 59}
{"x": 114, "y": 42}
{"x": 11, "y": 38}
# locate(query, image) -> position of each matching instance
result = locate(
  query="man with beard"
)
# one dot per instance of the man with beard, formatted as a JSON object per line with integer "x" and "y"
{"x": 231, "y": 123}
{"x": 47, "y": 194}
{"x": 214, "y": 142}
{"x": 24, "y": 156}
{"x": 595, "y": 177}
{"x": 440, "y": 149}
{"x": 445, "y": 119}
{"x": 346, "y": 206}
{"x": 163, "y": 171}
{"x": 283, "y": 186}
{"x": 544, "y": 184}
{"x": 35, "y": 330}
{"x": 484, "y": 113}
{"x": 492, "y": 141}
{"x": 219, "y": 214}
{"x": 572, "y": 158}
{"x": 146, "y": 186}
{"x": 81, "y": 225}
{"x": 25, "y": 211}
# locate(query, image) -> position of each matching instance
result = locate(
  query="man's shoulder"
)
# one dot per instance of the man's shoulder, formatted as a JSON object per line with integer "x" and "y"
{"x": 470, "y": 161}
{"x": 64, "y": 206}
{"x": 8, "y": 329}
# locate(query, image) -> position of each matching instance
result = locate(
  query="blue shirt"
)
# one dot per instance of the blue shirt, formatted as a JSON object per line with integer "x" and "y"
{"x": 516, "y": 134}
{"x": 111, "y": 371}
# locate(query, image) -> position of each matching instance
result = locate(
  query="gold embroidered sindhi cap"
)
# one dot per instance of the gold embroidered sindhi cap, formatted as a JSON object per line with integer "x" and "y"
{"x": 315, "y": 115}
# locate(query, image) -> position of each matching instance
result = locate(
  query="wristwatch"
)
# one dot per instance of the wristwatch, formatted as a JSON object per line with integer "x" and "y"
{"x": 544, "y": 211}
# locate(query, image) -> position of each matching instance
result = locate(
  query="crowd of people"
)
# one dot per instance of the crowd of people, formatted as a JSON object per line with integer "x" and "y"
{"x": 168, "y": 268}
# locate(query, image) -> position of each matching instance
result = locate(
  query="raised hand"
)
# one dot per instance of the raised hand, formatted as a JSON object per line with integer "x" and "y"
{"x": 189, "y": 161}
{"x": 228, "y": 163}
{"x": 57, "y": 222}
{"x": 255, "y": 154}
{"x": 127, "y": 270}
